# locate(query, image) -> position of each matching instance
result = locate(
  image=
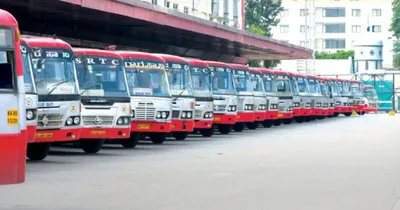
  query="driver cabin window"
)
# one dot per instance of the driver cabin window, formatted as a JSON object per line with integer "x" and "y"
{"x": 7, "y": 69}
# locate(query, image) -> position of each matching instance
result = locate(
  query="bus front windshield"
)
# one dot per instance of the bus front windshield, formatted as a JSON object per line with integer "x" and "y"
{"x": 344, "y": 89}
{"x": 357, "y": 89}
{"x": 335, "y": 89}
{"x": 54, "y": 71}
{"x": 101, "y": 76}
{"x": 222, "y": 81}
{"x": 370, "y": 94}
{"x": 26, "y": 64}
{"x": 179, "y": 79}
{"x": 242, "y": 82}
{"x": 147, "y": 78}
{"x": 257, "y": 83}
{"x": 302, "y": 84}
{"x": 315, "y": 89}
{"x": 283, "y": 86}
{"x": 293, "y": 84}
{"x": 324, "y": 89}
{"x": 201, "y": 81}
{"x": 269, "y": 83}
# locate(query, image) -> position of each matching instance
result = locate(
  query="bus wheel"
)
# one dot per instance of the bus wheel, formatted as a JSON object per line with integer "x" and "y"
{"x": 37, "y": 151}
{"x": 207, "y": 132}
{"x": 252, "y": 125}
{"x": 336, "y": 114}
{"x": 238, "y": 127}
{"x": 347, "y": 114}
{"x": 299, "y": 119}
{"x": 287, "y": 121}
{"x": 132, "y": 141}
{"x": 224, "y": 129}
{"x": 92, "y": 146}
{"x": 158, "y": 138}
{"x": 180, "y": 136}
{"x": 267, "y": 123}
{"x": 362, "y": 113}
{"x": 277, "y": 122}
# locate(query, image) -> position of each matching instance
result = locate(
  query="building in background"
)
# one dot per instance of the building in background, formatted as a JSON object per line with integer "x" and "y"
{"x": 227, "y": 12}
{"x": 331, "y": 25}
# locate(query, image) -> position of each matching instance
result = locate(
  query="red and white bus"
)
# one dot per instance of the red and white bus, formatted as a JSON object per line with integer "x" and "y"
{"x": 106, "y": 109}
{"x": 372, "y": 101}
{"x": 59, "y": 112}
{"x": 13, "y": 135}
{"x": 150, "y": 95}
{"x": 244, "y": 89}
{"x": 271, "y": 93}
{"x": 285, "y": 98}
{"x": 202, "y": 91}
{"x": 260, "y": 100}
{"x": 183, "y": 101}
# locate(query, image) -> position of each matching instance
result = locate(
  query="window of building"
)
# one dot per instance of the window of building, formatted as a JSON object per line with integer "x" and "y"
{"x": 175, "y": 6}
{"x": 335, "y": 43}
{"x": 376, "y": 28}
{"x": 356, "y": 28}
{"x": 167, "y": 4}
{"x": 335, "y": 28}
{"x": 284, "y": 13}
{"x": 154, "y": 2}
{"x": 366, "y": 65}
{"x": 303, "y": 12}
{"x": 376, "y": 12}
{"x": 186, "y": 10}
{"x": 302, "y": 29}
{"x": 356, "y": 12}
{"x": 334, "y": 12}
{"x": 284, "y": 28}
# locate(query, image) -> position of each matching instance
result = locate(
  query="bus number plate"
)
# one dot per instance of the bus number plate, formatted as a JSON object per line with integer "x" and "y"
{"x": 217, "y": 119}
{"x": 143, "y": 126}
{"x": 44, "y": 135}
{"x": 280, "y": 115}
{"x": 12, "y": 117}
{"x": 98, "y": 133}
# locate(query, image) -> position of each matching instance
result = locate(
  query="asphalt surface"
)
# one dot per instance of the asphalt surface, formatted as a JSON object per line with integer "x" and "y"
{"x": 340, "y": 164}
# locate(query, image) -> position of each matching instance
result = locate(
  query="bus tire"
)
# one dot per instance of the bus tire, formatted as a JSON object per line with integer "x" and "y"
{"x": 207, "y": 132}
{"x": 336, "y": 114}
{"x": 267, "y": 123}
{"x": 92, "y": 146}
{"x": 180, "y": 136}
{"x": 37, "y": 151}
{"x": 132, "y": 141}
{"x": 347, "y": 114}
{"x": 277, "y": 122}
{"x": 299, "y": 119}
{"x": 239, "y": 127}
{"x": 252, "y": 125}
{"x": 158, "y": 138}
{"x": 224, "y": 129}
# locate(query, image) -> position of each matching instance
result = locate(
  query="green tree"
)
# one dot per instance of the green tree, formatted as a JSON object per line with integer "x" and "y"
{"x": 340, "y": 54}
{"x": 260, "y": 16}
{"x": 395, "y": 28}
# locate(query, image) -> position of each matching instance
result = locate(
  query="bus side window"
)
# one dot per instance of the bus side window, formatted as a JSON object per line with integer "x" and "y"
{"x": 6, "y": 69}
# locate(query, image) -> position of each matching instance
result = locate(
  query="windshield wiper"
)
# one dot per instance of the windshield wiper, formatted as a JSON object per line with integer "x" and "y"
{"x": 185, "y": 88}
{"x": 40, "y": 81}
{"x": 56, "y": 85}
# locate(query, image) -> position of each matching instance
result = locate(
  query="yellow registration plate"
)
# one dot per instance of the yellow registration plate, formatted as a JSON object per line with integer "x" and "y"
{"x": 172, "y": 126}
{"x": 217, "y": 119}
{"x": 44, "y": 135}
{"x": 98, "y": 133}
{"x": 237, "y": 116}
{"x": 280, "y": 115}
{"x": 143, "y": 126}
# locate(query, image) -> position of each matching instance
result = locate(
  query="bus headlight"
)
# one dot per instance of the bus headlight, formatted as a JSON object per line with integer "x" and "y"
{"x": 126, "y": 121}
{"x": 30, "y": 115}
{"x": 158, "y": 115}
{"x": 189, "y": 115}
{"x": 208, "y": 115}
{"x": 123, "y": 121}
{"x": 232, "y": 108}
{"x": 183, "y": 114}
{"x": 77, "y": 120}
{"x": 69, "y": 121}
{"x": 162, "y": 115}
{"x": 289, "y": 109}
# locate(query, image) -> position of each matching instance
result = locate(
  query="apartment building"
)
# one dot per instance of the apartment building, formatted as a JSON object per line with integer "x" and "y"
{"x": 331, "y": 25}
{"x": 227, "y": 12}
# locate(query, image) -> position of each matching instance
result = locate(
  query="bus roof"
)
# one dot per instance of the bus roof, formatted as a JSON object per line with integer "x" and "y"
{"x": 255, "y": 70}
{"x": 139, "y": 55}
{"x": 95, "y": 52}
{"x": 312, "y": 76}
{"x": 368, "y": 87}
{"x": 280, "y": 72}
{"x": 265, "y": 71}
{"x": 7, "y": 19}
{"x": 239, "y": 66}
{"x": 172, "y": 58}
{"x": 46, "y": 42}
{"x": 219, "y": 64}
{"x": 197, "y": 62}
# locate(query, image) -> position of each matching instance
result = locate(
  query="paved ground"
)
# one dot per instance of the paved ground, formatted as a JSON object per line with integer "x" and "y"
{"x": 339, "y": 164}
